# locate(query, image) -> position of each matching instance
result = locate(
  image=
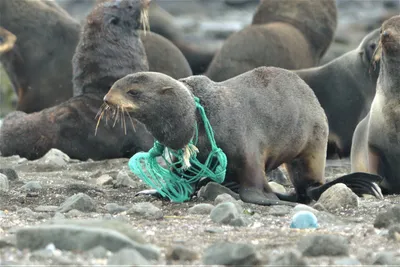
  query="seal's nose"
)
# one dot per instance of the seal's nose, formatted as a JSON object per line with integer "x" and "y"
{"x": 385, "y": 34}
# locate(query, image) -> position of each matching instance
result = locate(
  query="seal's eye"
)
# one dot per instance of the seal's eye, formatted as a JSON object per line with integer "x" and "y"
{"x": 114, "y": 21}
{"x": 133, "y": 93}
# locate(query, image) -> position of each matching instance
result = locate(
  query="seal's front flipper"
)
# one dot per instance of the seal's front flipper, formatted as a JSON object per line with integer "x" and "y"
{"x": 259, "y": 197}
{"x": 359, "y": 182}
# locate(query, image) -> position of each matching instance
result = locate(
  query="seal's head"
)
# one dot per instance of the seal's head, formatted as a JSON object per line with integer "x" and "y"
{"x": 164, "y": 105}
{"x": 119, "y": 16}
{"x": 390, "y": 38}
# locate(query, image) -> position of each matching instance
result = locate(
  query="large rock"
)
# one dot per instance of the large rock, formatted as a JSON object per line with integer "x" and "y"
{"x": 80, "y": 201}
{"x": 338, "y": 196}
{"x": 231, "y": 254}
{"x": 323, "y": 245}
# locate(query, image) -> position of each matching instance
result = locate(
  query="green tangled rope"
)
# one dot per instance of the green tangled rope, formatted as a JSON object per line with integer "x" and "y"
{"x": 174, "y": 181}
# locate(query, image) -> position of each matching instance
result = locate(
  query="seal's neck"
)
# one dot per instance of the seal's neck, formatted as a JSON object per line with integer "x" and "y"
{"x": 389, "y": 79}
{"x": 173, "y": 122}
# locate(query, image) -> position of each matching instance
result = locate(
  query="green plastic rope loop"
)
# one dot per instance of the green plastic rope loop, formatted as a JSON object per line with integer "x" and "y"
{"x": 175, "y": 182}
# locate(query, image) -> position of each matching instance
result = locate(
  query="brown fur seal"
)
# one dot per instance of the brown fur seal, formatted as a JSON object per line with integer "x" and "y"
{"x": 244, "y": 123}
{"x": 284, "y": 33}
{"x": 39, "y": 66}
{"x": 376, "y": 140}
{"x": 345, "y": 87}
{"x": 109, "y": 49}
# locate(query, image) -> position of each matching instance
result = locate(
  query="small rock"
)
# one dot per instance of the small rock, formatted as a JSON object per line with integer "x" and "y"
{"x": 54, "y": 159}
{"x": 302, "y": 207}
{"x": 4, "y": 185}
{"x": 79, "y": 238}
{"x": 227, "y": 213}
{"x": 80, "y": 201}
{"x": 346, "y": 262}
{"x": 127, "y": 257}
{"x": 7, "y": 242}
{"x": 387, "y": 218}
{"x": 46, "y": 208}
{"x": 31, "y": 186}
{"x": 230, "y": 254}
{"x": 337, "y": 197}
{"x": 10, "y": 173}
{"x": 211, "y": 190}
{"x": 277, "y": 188}
{"x": 124, "y": 180}
{"x": 394, "y": 232}
{"x": 58, "y": 216}
{"x": 98, "y": 252}
{"x": 114, "y": 208}
{"x": 279, "y": 210}
{"x": 323, "y": 245}
{"x": 386, "y": 258}
{"x": 278, "y": 176}
{"x": 203, "y": 208}
{"x": 74, "y": 214}
{"x": 289, "y": 258}
{"x": 26, "y": 211}
{"x": 104, "y": 180}
{"x": 304, "y": 220}
{"x": 146, "y": 210}
{"x": 181, "y": 253}
{"x": 227, "y": 198}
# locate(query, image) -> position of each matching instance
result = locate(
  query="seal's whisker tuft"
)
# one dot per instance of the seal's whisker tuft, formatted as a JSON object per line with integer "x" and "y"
{"x": 130, "y": 118}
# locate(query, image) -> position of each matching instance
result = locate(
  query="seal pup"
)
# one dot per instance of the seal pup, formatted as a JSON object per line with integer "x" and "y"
{"x": 376, "y": 140}
{"x": 244, "y": 123}
{"x": 345, "y": 87}
{"x": 39, "y": 65}
{"x": 109, "y": 49}
{"x": 284, "y": 33}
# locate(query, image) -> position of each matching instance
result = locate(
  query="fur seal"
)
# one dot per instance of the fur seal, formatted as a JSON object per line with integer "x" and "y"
{"x": 345, "y": 87}
{"x": 284, "y": 33}
{"x": 376, "y": 139}
{"x": 109, "y": 49}
{"x": 39, "y": 65}
{"x": 244, "y": 122}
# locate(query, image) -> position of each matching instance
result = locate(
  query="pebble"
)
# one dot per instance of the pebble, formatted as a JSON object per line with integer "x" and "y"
{"x": 146, "y": 210}
{"x": 323, "y": 245}
{"x": 104, "y": 180}
{"x": 386, "y": 258}
{"x": 10, "y": 173}
{"x": 227, "y": 213}
{"x": 304, "y": 220}
{"x": 45, "y": 208}
{"x": 114, "y": 208}
{"x": 31, "y": 186}
{"x": 127, "y": 257}
{"x": 347, "y": 261}
{"x": 79, "y": 238}
{"x": 394, "y": 232}
{"x": 211, "y": 190}
{"x": 124, "y": 180}
{"x": 203, "y": 208}
{"x": 337, "y": 197}
{"x": 227, "y": 198}
{"x": 387, "y": 218}
{"x": 230, "y": 254}
{"x": 54, "y": 159}
{"x": 80, "y": 201}
{"x": 277, "y": 188}
{"x": 181, "y": 253}
{"x": 98, "y": 252}
{"x": 288, "y": 258}
{"x": 4, "y": 185}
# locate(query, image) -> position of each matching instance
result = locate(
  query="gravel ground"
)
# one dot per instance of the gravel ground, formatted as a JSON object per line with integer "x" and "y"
{"x": 38, "y": 197}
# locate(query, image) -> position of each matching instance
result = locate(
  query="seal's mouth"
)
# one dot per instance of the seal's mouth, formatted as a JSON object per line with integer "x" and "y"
{"x": 115, "y": 108}
{"x": 390, "y": 43}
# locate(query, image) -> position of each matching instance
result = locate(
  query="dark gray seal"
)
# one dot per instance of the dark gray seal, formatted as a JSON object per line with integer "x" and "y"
{"x": 345, "y": 87}
{"x": 277, "y": 119}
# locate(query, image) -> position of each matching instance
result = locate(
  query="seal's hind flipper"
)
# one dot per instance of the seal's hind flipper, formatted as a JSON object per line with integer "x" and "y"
{"x": 359, "y": 182}
{"x": 256, "y": 196}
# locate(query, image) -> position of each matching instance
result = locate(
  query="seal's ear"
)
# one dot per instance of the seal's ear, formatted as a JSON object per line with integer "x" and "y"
{"x": 166, "y": 90}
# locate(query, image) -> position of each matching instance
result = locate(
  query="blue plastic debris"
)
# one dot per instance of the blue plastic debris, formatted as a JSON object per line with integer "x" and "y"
{"x": 304, "y": 220}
